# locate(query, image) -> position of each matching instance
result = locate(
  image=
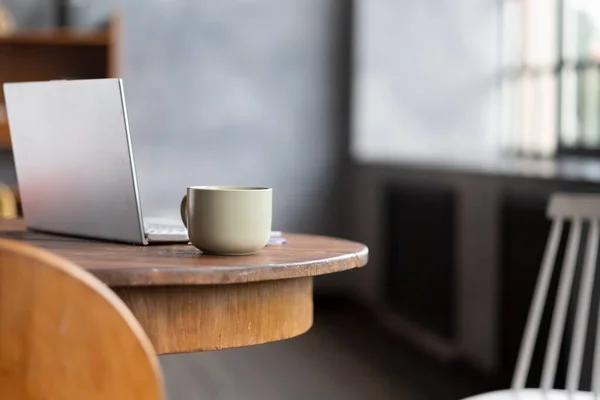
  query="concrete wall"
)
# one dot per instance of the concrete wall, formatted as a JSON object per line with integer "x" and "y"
{"x": 425, "y": 81}
{"x": 232, "y": 92}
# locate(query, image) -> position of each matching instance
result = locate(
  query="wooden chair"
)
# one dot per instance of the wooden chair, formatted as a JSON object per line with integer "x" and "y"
{"x": 580, "y": 210}
{"x": 65, "y": 335}
{"x": 8, "y": 202}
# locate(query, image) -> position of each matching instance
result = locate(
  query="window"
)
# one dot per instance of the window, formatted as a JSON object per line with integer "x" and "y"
{"x": 551, "y": 76}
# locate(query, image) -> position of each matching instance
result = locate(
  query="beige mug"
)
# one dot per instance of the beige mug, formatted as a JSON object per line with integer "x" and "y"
{"x": 228, "y": 220}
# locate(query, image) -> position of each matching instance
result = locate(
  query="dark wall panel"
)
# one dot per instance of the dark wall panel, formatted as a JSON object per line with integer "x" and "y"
{"x": 420, "y": 248}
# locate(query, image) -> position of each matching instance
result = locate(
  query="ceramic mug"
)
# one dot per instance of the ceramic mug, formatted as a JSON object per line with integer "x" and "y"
{"x": 228, "y": 220}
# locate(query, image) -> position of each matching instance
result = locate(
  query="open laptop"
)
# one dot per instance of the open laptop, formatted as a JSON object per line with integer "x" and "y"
{"x": 74, "y": 162}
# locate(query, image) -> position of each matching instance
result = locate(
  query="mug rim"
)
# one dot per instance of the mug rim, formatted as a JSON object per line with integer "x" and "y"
{"x": 231, "y": 188}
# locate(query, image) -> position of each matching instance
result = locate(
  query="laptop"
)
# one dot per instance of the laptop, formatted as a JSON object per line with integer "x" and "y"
{"x": 74, "y": 162}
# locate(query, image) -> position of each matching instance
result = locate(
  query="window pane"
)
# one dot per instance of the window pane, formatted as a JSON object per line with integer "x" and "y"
{"x": 590, "y": 106}
{"x": 546, "y": 92}
{"x": 570, "y": 126}
{"x": 511, "y": 114}
{"x": 528, "y": 115}
{"x": 541, "y": 45}
{"x": 530, "y": 84}
{"x": 581, "y": 30}
{"x": 539, "y": 102}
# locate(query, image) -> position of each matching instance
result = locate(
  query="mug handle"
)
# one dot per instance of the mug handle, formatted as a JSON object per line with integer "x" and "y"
{"x": 183, "y": 210}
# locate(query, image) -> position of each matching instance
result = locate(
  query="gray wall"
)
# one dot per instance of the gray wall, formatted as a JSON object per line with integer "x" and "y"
{"x": 233, "y": 92}
{"x": 426, "y": 75}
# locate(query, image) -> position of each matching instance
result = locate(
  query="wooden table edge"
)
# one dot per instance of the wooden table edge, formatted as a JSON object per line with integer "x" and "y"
{"x": 189, "y": 276}
{"x": 268, "y": 310}
{"x": 183, "y": 319}
{"x": 214, "y": 304}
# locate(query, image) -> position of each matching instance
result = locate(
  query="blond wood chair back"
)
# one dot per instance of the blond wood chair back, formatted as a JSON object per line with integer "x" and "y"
{"x": 8, "y": 202}
{"x": 65, "y": 335}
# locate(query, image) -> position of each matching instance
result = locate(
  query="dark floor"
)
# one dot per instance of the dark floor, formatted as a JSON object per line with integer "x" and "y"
{"x": 346, "y": 355}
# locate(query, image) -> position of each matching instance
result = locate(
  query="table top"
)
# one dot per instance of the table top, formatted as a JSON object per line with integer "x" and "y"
{"x": 121, "y": 265}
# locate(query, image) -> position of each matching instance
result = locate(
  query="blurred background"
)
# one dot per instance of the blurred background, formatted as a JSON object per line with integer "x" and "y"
{"x": 434, "y": 131}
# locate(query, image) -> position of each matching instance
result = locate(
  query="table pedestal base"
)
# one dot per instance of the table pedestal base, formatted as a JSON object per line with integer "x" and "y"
{"x": 180, "y": 319}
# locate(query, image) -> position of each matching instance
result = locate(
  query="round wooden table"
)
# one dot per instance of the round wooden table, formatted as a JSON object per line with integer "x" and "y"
{"x": 187, "y": 301}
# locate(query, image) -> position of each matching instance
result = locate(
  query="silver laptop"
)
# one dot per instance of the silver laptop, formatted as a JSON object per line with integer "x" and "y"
{"x": 74, "y": 162}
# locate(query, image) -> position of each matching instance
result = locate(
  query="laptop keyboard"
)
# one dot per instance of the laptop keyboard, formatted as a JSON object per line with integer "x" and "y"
{"x": 178, "y": 231}
{"x": 164, "y": 229}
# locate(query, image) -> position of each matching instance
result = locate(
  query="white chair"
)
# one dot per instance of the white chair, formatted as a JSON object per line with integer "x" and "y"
{"x": 579, "y": 209}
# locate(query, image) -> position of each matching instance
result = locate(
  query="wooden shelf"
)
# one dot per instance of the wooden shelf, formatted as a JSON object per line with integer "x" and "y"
{"x": 4, "y": 134}
{"x": 58, "y": 37}
{"x": 63, "y": 53}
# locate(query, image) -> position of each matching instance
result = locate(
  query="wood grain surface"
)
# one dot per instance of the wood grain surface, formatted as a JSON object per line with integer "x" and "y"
{"x": 187, "y": 301}
{"x": 65, "y": 335}
{"x": 121, "y": 265}
{"x": 214, "y": 317}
